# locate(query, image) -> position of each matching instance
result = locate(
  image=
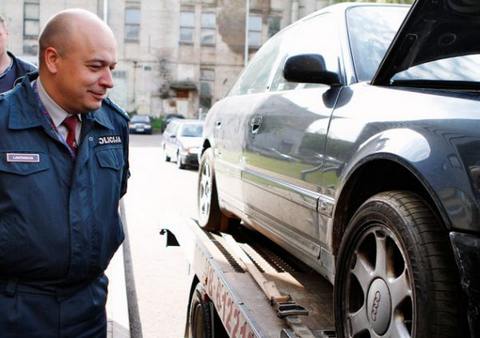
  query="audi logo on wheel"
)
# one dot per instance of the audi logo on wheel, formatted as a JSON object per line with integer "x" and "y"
{"x": 375, "y": 305}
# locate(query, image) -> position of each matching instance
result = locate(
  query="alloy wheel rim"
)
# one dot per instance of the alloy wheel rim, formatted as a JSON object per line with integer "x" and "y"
{"x": 379, "y": 292}
{"x": 205, "y": 191}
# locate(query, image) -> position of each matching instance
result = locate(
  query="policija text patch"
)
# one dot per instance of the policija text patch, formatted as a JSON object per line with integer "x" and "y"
{"x": 114, "y": 139}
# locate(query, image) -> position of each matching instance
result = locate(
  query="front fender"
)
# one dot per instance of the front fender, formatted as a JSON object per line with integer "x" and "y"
{"x": 434, "y": 160}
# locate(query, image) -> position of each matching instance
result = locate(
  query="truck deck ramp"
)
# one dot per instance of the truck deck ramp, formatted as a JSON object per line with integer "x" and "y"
{"x": 240, "y": 302}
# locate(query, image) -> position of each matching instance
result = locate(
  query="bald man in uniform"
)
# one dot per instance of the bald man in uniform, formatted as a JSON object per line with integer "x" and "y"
{"x": 63, "y": 170}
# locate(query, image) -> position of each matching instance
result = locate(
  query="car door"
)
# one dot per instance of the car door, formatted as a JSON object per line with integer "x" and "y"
{"x": 170, "y": 138}
{"x": 285, "y": 141}
{"x": 228, "y": 119}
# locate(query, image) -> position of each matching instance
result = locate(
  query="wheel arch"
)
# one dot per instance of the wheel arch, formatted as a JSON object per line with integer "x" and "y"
{"x": 193, "y": 286}
{"x": 372, "y": 176}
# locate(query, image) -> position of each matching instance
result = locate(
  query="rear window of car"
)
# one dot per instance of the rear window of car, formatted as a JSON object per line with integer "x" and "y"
{"x": 191, "y": 130}
{"x": 144, "y": 119}
{"x": 254, "y": 78}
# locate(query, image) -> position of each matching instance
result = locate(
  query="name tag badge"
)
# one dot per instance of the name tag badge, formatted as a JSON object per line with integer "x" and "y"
{"x": 23, "y": 158}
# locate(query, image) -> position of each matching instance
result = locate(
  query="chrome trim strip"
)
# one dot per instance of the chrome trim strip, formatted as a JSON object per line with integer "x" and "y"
{"x": 313, "y": 200}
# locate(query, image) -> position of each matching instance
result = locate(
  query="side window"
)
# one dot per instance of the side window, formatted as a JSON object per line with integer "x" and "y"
{"x": 175, "y": 128}
{"x": 317, "y": 35}
{"x": 171, "y": 128}
{"x": 178, "y": 130}
{"x": 255, "y": 77}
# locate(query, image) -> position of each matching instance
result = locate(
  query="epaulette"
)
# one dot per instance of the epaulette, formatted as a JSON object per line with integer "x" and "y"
{"x": 116, "y": 108}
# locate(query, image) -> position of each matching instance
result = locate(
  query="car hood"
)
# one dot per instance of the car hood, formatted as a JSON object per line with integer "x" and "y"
{"x": 189, "y": 142}
{"x": 432, "y": 30}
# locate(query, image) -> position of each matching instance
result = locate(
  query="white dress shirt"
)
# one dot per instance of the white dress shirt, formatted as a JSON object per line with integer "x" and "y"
{"x": 57, "y": 113}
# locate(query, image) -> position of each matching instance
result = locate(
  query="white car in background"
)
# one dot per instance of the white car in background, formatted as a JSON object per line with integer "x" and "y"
{"x": 182, "y": 141}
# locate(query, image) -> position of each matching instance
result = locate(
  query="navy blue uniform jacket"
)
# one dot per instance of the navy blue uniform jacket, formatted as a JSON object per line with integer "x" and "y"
{"x": 59, "y": 221}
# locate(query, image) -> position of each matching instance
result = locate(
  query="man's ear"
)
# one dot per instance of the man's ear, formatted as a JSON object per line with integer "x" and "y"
{"x": 51, "y": 59}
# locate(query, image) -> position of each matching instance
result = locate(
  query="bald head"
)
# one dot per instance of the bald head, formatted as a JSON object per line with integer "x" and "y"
{"x": 77, "y": 56}
{"x": 67, "y": 28}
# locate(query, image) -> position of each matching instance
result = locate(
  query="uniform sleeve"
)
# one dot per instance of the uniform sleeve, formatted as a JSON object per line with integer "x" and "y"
{"x": 126, "y": 167}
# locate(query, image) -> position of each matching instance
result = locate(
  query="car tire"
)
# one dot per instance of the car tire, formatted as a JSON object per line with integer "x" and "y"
{"x": 165, "y": 155}
{"x": 395, "y": 274}
{"x": 210, "y": 217}
{"x": 180, "y": 164}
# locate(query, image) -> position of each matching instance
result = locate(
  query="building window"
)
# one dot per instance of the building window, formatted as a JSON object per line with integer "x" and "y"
{"x": 30, "y": 48}
{"x": 207, "y": 80}
{"x": 132, "y": 24}
{"x": 119, "y": 74}
{"x": 273, "y": 25}
{"x": 187, "y": 26}
{"x": 254, "y": 31}
{"x": 31, "y": 22}
{"x": 208, "y": 32}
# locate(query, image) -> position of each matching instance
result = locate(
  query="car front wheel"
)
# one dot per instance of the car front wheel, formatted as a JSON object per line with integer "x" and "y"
{"x": 165, "y": 154}
{"x": 180, "y": 164}
{"x": 395, "y": 274}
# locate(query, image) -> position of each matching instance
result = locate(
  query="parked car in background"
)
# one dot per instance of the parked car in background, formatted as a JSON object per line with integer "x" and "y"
{"x": 169, "y": 117}
{"x": 182, "y": 141}
{"x": 357, "y": 148}
{"x": 140, "y": 124}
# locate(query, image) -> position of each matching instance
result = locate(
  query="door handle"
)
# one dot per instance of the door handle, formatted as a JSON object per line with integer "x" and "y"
{"x": 255, "y": 123}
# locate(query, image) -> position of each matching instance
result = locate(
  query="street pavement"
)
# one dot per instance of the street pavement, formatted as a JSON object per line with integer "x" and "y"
{"x": 159, "y": 195}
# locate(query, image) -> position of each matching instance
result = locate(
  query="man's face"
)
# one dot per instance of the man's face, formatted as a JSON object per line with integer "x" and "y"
{"x": 3, "y": 39}
{"x": 84, "y": 72}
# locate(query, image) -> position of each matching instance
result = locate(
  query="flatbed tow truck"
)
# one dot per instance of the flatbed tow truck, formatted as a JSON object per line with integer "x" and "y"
{"x": 244, "y": 285}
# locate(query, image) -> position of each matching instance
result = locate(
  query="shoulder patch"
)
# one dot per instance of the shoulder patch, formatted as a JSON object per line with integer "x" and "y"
{"x": 116, "y": 108}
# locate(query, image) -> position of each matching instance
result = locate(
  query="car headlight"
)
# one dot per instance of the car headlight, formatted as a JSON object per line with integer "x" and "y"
{"x": 193, "y": 150}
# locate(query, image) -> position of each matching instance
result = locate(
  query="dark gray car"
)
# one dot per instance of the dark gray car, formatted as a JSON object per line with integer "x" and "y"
{"x": 357, "y": 149}
{"x": 140, "y": 124}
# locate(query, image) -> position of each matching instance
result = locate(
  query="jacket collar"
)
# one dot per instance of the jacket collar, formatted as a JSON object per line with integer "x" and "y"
{"x": 24, "y": 110}
{"x": 101, "y": 117}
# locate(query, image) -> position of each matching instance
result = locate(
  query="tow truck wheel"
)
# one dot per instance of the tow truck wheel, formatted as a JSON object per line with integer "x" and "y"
{"x": 199, "y": 315}
{"x": 209, "y": 214}
{"x": 395, "y": 274}
{"x": 202, "y": 319}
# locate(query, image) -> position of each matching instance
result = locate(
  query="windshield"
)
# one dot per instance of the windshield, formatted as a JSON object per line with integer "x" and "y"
{"x": 144, "y": 119}
{"x": 371, "y": 30}
{"x": 192, "y": 130}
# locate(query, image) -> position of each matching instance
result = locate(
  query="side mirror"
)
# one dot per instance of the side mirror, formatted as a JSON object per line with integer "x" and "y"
{"x": 309, "y": 68}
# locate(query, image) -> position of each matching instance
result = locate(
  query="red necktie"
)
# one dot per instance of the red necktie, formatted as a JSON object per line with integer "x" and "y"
{"x": 71, "y": 124}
